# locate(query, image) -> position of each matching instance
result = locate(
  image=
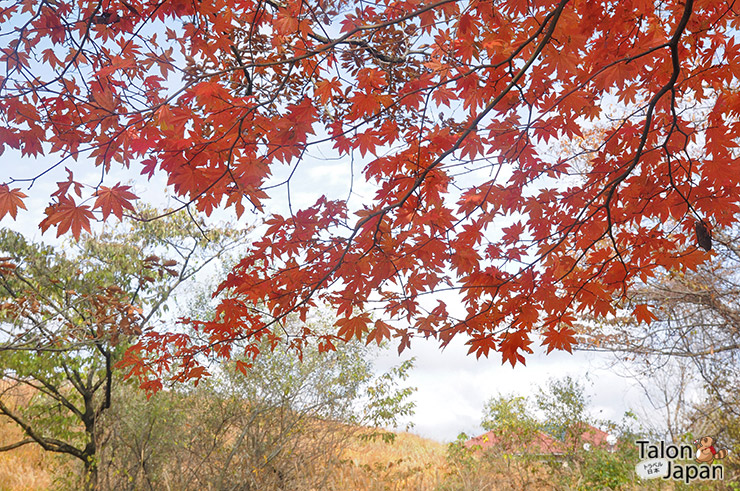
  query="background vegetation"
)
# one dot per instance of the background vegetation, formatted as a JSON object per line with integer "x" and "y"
{"x": 318, "y": 418}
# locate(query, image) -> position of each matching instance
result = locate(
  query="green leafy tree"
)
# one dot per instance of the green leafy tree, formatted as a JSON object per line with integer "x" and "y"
{"x": 281, "y": 424}
{"x": 614, "y": 468}
{"x": 67, "y": 315}
{"x": 387, "y": 403}
{"x": 516, "y": 441}
{"x": 511, "y": 417}
{"x": 465, "y": 469}
{"x": 526, "y": 449}
{"x": 563, "y": 403}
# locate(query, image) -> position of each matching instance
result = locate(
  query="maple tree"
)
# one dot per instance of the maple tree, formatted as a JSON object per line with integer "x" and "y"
{"x": 452, "y": 107}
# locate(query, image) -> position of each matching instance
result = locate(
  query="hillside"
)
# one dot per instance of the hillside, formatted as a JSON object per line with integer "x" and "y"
{"x": 411, "y": 462}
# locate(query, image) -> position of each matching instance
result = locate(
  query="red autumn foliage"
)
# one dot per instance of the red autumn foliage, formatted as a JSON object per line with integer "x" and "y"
{"x": 450, "y": 106}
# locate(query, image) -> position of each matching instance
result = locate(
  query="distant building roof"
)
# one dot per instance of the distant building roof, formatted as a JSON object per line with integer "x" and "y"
{"x": 541, "y": 443}
{"x": 594, "y": 436}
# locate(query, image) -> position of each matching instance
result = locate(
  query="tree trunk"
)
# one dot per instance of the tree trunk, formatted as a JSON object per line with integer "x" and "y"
{"x": 91, "y": 474}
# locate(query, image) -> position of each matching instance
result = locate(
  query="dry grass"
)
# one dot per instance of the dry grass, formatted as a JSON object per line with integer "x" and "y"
{"x": 409, "y": 463}
{"x": 26, "y": 467}
{"x": 23, "y": 468}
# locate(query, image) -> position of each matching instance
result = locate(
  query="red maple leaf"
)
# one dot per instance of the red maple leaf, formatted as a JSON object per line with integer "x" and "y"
{"x": 114, "y": 200}
{"x": 562, "y": 339}
{"x": 544, "y": 238}
{"x": 67, "y": 216}
{"x": 642, "y": 314}
{"x": 512, "y": 344}
{"x": 10, "y": 201}
{"x": 379, "y": 333}
{"x": 353, "y": 326}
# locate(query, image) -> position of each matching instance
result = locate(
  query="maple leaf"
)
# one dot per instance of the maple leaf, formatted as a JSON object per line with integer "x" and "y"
{"x": 481, "y": 345}
{"x": 642, "y": 314}
{"x": 380, "y": 332}
{"x": 148, "y": 167}
{"x": 511, "y": 345}
{"x": 367, "y": 141}
{"x": 50, "y": 57}
{"x": 67, "y": 216}
{"x": 353, "y": 326}
{"x": 325, "y": 345}
{"x": 325, "y": 89}
{"x": 243, "y": 367}
{"x": 561, "y": 339}
{"x": 10, "y": 201}
{"x": 114, "y": 200}
{"x": 528, "y": 314}
{"x": 63, "y": 186}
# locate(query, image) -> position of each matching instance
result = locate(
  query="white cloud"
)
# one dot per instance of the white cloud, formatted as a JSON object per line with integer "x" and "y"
{"x": 453, "y": 386}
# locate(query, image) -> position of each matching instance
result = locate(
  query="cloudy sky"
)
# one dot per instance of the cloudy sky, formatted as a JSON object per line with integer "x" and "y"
{"x": 453, "y": 387}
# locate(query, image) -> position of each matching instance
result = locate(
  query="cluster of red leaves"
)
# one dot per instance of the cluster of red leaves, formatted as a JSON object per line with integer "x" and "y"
{"x": 423, "y": 91}
{"x": 65, "y": 213}
{"x": 104, "y": 314}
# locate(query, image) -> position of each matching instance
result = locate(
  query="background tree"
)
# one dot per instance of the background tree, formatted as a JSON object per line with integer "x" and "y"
{"x": 280, "y": 421}
{"x": 448, "y": 106}
{"x": 563, "y": 405}
{"x": 516, "y": 449}
{"x": 687, "y": 356}
{"x": 513, "y": 421}
{"x": 526, "y": 448}
{"x": 282, "y": 424}
{"x": 67, "y": 316}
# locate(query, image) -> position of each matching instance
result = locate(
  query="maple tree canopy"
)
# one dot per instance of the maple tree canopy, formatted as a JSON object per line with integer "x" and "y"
{"x": 538, "y": 157}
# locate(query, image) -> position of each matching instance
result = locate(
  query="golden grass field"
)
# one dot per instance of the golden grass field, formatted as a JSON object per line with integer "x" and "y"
{"x": 409, "y": 463}
{"x": 23, "y": 468}
{"x": 412, "y": 462}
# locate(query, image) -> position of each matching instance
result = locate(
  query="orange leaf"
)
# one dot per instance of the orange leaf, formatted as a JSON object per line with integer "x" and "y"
{"x": 562, "y": 339}
{"x": 381, "y": 331}
{"x": 643, "y": 314}
{"x": 10, "y": 201}
{"x": 114, "y": 200}
{"x": 66, "y": 215}
{"x": 481, "y": 345}
{"x": 243, "y": 367}
{"x": 353, "y": 326}
{"x": 510, "y": 346}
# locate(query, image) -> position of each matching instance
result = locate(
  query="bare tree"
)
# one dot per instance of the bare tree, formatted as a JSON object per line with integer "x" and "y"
{"x": 687, "y": 356}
